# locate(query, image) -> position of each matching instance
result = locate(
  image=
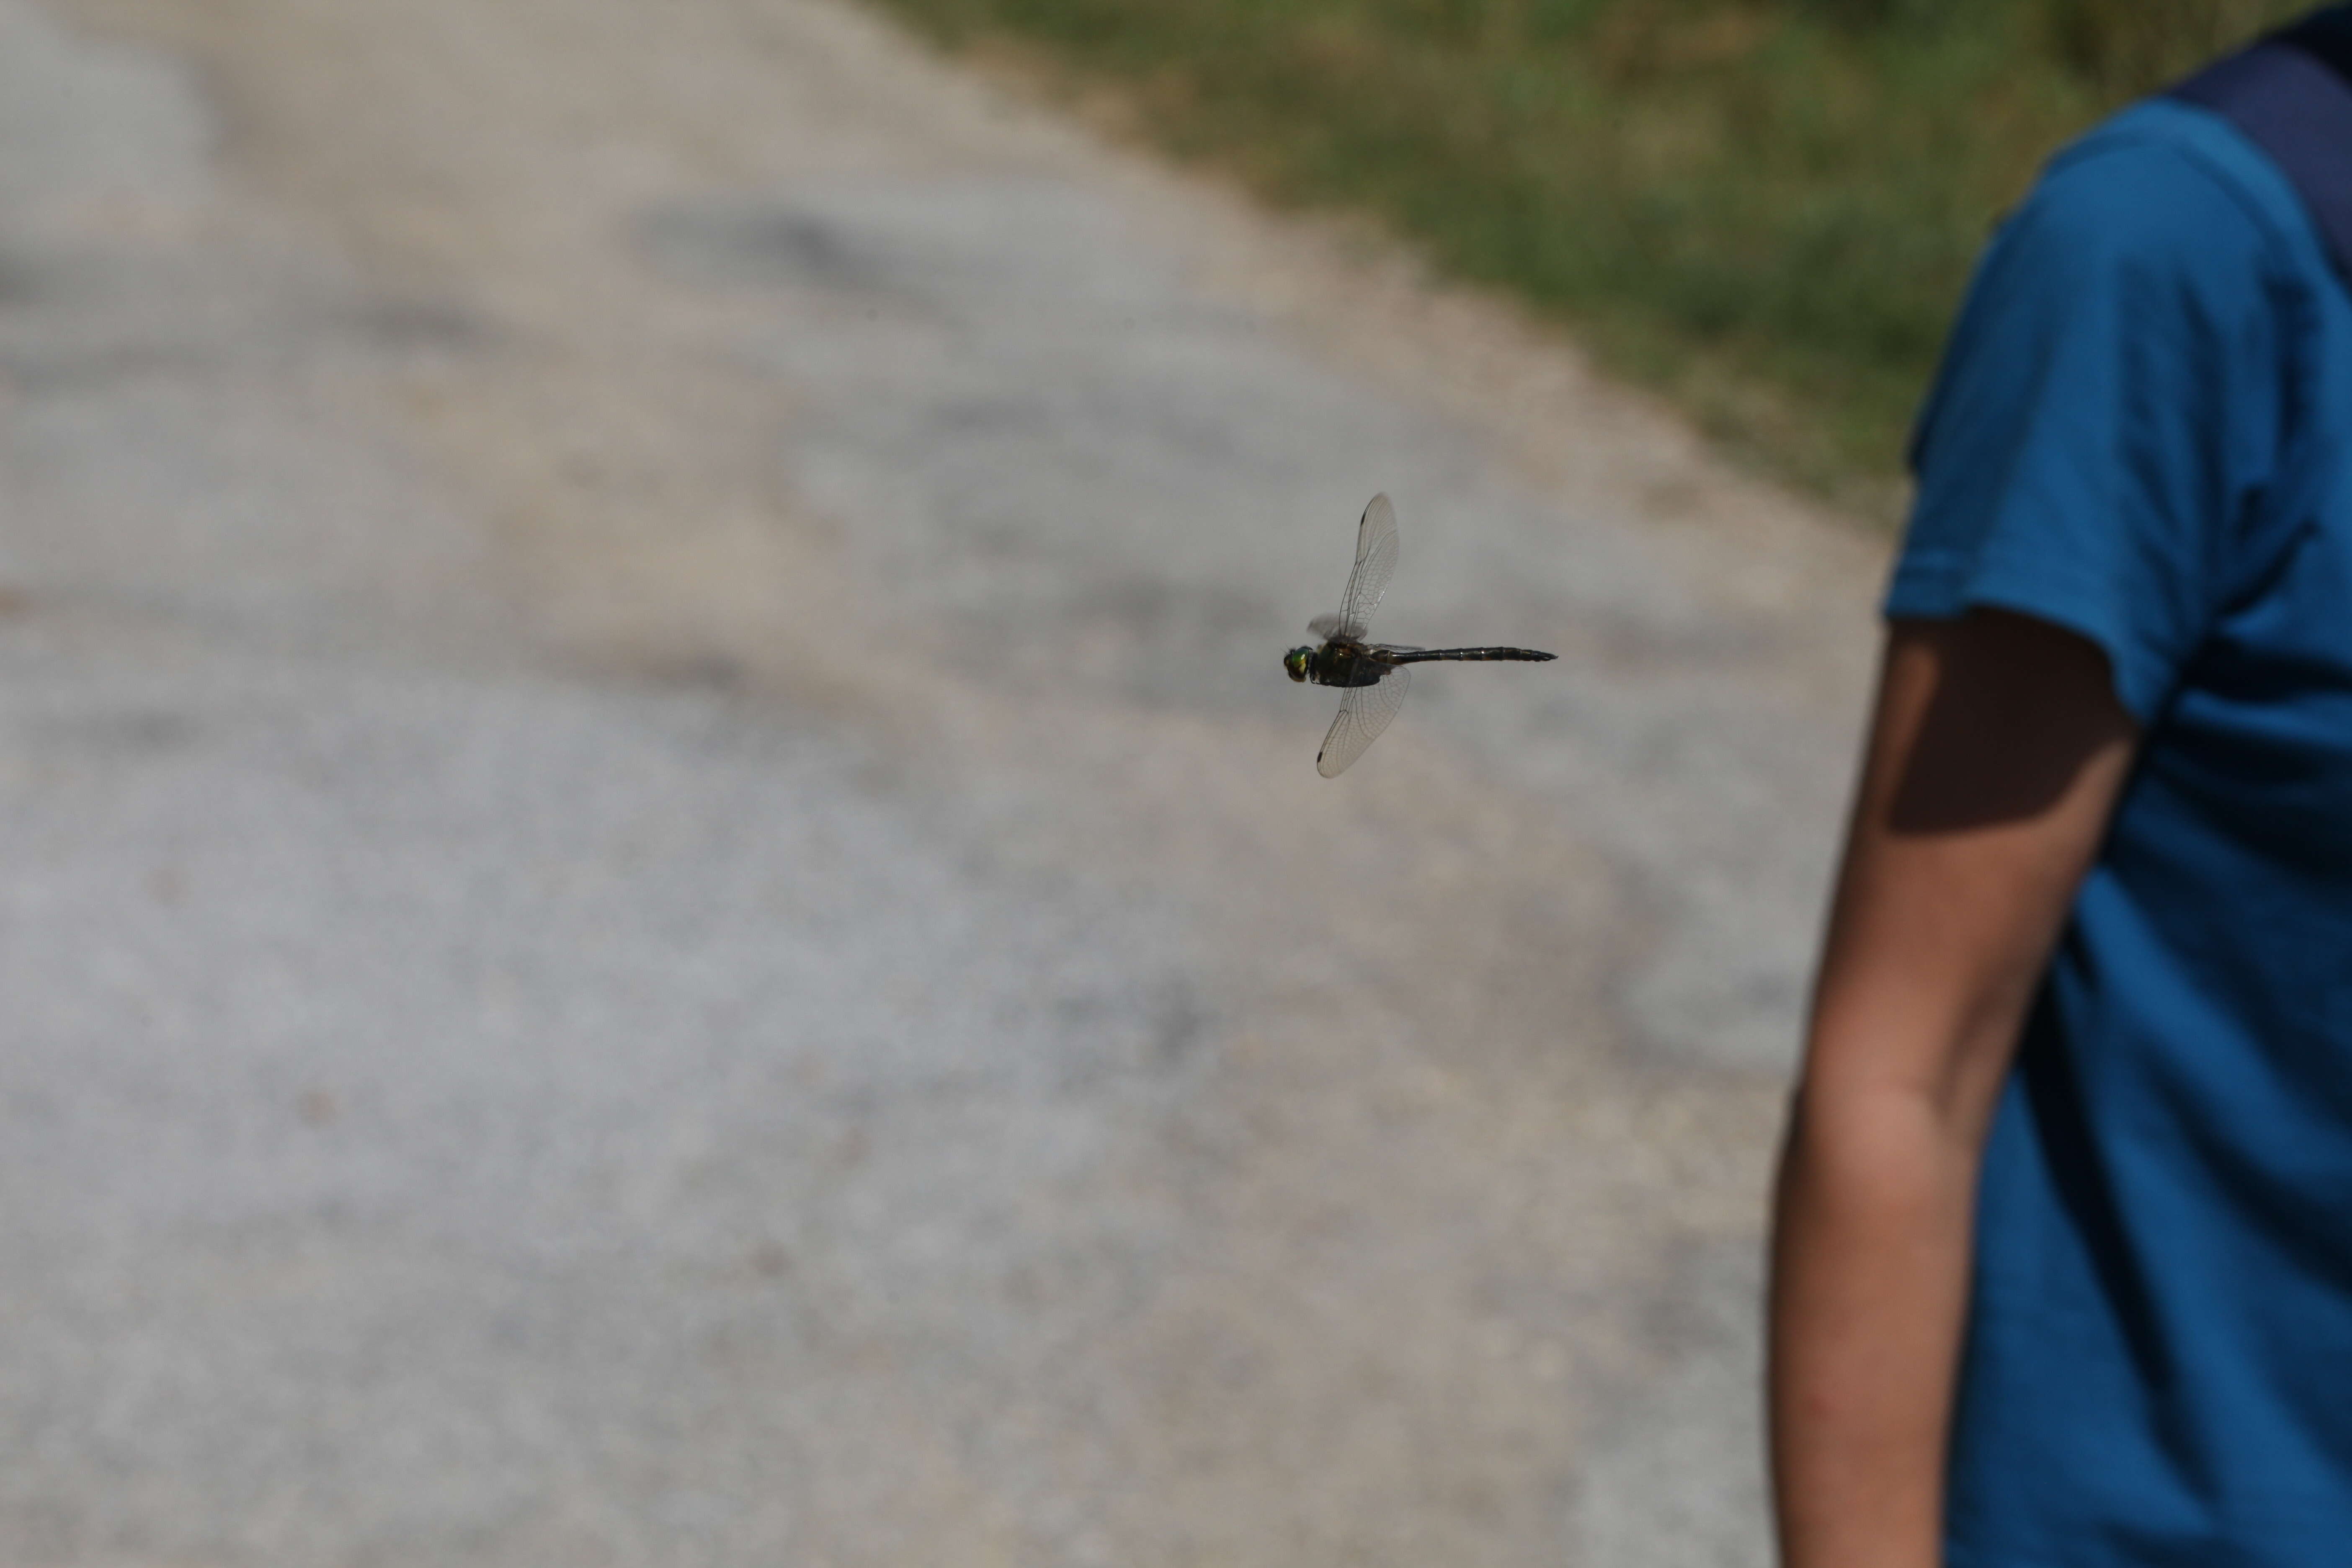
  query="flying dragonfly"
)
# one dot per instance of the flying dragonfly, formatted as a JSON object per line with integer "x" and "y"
{"x": 1374, "y": 674}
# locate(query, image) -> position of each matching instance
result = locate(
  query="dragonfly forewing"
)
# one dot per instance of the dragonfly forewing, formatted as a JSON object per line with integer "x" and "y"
{"x": 1376, "y": 563}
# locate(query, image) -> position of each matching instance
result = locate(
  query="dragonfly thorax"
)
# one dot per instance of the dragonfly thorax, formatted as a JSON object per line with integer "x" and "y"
{"x": 1297, "y": 662}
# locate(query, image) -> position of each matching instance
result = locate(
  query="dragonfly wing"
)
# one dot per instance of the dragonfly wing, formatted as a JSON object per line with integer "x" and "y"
{"x": 1364, "y": 712}
{"x": 1376, "y": 563}
{"x": 1326, "y": 627}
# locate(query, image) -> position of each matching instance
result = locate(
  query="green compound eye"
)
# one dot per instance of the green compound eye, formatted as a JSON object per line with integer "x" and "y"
{"x": 1294, "y": 661}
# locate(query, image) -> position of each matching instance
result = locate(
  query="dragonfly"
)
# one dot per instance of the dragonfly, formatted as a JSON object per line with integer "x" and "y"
{"x": 1372, "y": 675}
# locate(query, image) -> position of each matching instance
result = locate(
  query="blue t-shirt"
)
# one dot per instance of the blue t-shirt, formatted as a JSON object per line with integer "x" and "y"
{"x": 2140, "y": 434}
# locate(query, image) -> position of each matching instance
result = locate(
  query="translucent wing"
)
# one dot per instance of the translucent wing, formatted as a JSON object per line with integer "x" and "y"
{"x": 1376, "y": 563}
{"x": 1364, "y": 712}
{"x": 1325, "y": 627}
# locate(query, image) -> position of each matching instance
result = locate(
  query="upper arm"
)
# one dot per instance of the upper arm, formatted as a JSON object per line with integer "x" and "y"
{"x": 2108, "y": 409}
{"x": 1996, "y": 755}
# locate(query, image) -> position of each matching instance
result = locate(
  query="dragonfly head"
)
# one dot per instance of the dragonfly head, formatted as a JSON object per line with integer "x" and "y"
{"x": 1296, "y": 661}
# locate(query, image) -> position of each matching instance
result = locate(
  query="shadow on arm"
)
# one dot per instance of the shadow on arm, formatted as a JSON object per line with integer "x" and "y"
{"x": 2019, "y": 707}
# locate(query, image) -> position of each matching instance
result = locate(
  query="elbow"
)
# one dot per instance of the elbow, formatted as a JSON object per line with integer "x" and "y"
{"x": 1883, "y": 1146}
{"x": 1929, "y": 1072}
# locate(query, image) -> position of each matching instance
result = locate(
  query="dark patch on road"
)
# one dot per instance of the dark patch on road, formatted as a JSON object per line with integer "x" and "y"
{"x": 120, "y": 734}
{"x": 757, "y": 244}
{"x": 20, "y": 279}
{"x": 421, "y": 325}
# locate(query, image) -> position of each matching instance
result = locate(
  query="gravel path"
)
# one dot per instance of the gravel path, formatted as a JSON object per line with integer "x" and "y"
{"x": 662, "y": 901}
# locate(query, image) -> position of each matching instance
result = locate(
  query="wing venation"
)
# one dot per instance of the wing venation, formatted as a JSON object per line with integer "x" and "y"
{"x": 1364, "y": 713}
{"x": 1376, "y": 563}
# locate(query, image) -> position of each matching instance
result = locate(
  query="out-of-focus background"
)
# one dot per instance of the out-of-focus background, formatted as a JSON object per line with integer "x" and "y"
{"x": 1766, "y": 209}
{"x": 660, "y": 901}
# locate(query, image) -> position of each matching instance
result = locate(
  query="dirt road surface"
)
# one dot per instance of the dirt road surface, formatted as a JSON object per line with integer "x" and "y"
{"x": 663, "y": 902}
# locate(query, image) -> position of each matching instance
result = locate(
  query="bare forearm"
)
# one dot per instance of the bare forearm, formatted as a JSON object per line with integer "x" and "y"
{"x": 1993, "y": 764}
{"x": 1870, "y": 1276}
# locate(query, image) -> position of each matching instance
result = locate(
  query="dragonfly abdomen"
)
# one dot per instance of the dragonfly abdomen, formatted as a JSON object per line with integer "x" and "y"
{"x": 1470, "y": 654}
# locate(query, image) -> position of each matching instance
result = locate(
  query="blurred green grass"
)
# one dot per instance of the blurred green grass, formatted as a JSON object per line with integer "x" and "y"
{"x": 1766, "y": 209}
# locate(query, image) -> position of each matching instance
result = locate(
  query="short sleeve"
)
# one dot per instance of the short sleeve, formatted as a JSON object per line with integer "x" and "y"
{"x": 2107, "y": 408}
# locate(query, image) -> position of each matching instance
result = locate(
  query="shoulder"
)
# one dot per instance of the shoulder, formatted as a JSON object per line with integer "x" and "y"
{"x": 2164, "y": 195}
{"x": 2115, "y": 388}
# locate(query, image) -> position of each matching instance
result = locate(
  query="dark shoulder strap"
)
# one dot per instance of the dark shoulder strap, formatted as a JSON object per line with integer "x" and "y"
{"x": 2291, "y": 94}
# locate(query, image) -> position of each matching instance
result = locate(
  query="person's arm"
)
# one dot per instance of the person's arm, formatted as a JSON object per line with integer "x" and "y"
{"x": 1996, "y": 755}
